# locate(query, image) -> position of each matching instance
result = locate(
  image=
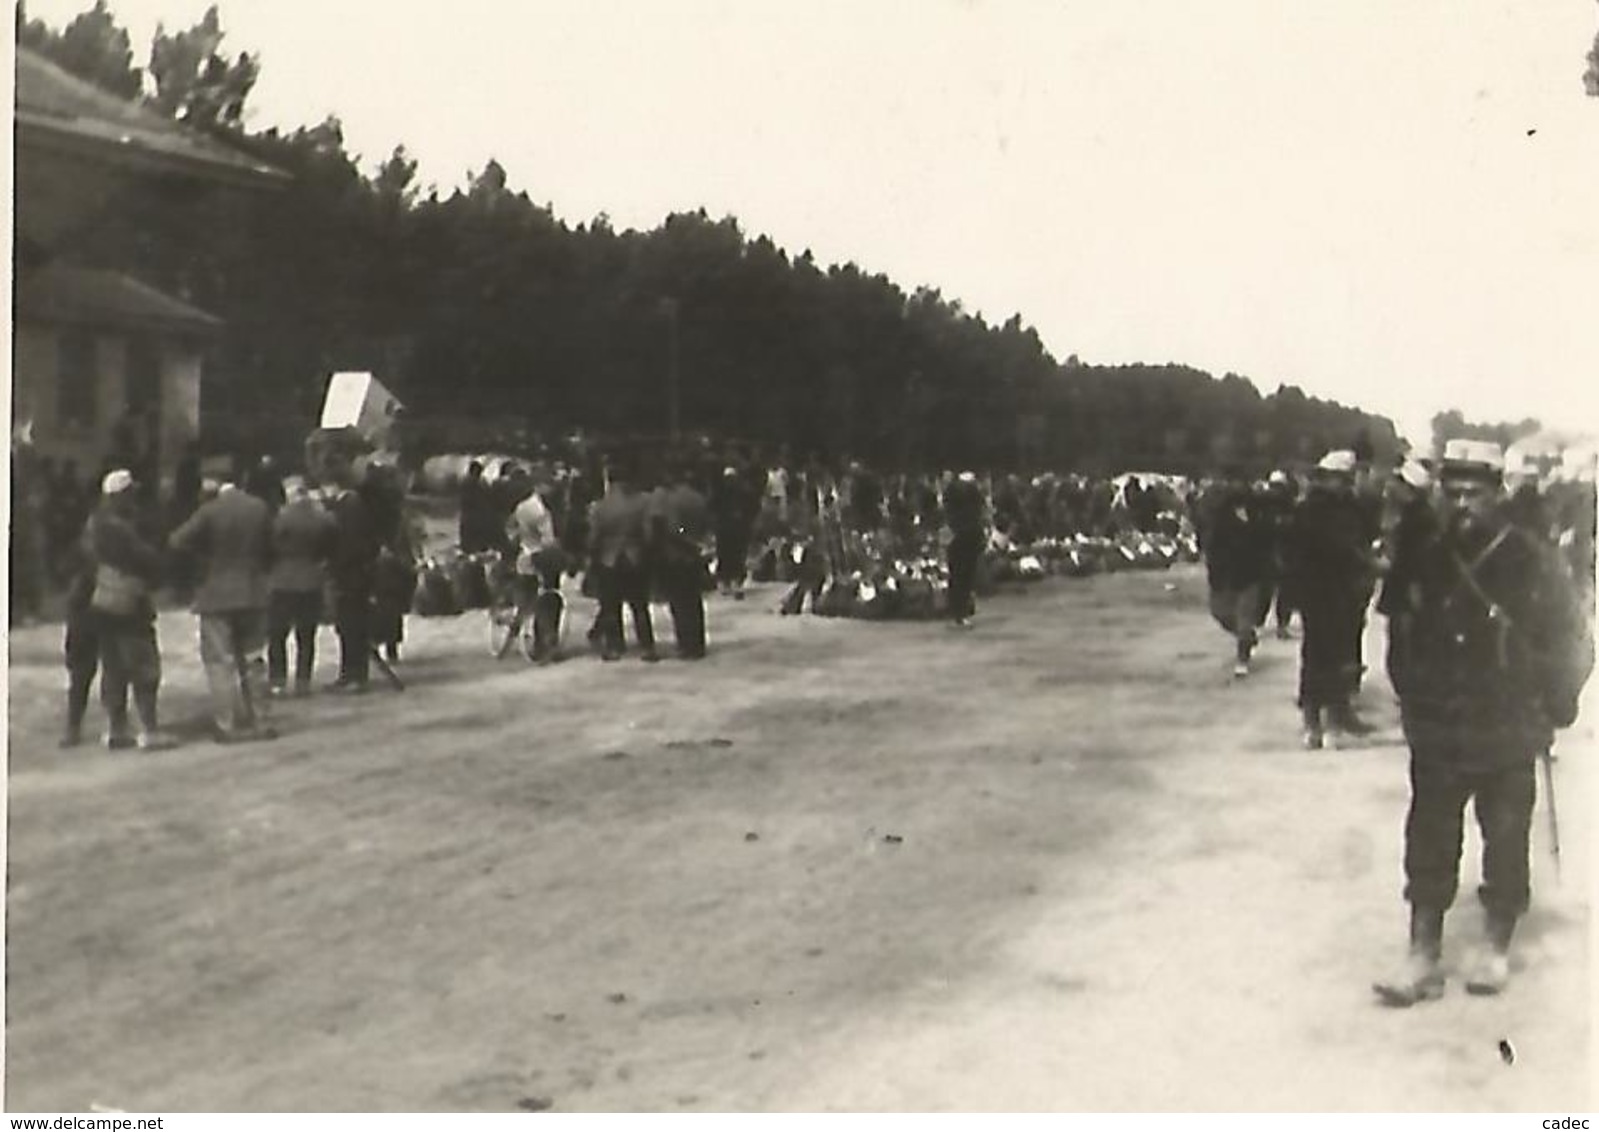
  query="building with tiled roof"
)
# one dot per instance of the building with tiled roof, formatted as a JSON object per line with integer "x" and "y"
{"x": 107, "y": 368}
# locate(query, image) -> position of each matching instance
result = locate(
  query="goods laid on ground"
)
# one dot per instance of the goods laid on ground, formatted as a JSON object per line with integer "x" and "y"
{"x": 871, "y": 577}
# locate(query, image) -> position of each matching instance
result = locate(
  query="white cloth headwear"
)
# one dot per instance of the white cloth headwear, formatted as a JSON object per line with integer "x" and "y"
{"x": 1484, "y": 454}
{"x": 1415, "y": 473}
{"x": 115, "y": 483}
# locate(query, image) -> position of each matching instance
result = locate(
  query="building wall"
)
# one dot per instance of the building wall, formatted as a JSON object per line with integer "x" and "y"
{"x": 38, "y": 379}
{"x": 182, "y": 367}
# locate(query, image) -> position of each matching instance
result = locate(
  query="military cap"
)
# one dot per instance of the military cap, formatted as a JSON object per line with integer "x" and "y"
{"x": 1341, "y": 461}
{"x": 1472, "y": 459}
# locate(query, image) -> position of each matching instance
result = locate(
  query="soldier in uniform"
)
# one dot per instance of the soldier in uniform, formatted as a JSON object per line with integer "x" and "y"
{"x": 1238, "y": 550}
{"x": 1331, "y": 568}
{"x": 1496, "y": 660}
{"x": 1277, "y": 508}
{"x": 963, "y": 512}
{"x": 1412, "y": 521}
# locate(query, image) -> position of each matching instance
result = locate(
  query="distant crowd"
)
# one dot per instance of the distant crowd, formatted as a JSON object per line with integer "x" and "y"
{"x": 266, "y": 558}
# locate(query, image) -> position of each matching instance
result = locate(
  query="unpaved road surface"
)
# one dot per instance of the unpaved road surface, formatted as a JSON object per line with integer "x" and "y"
{"x": 1059, "y": 862}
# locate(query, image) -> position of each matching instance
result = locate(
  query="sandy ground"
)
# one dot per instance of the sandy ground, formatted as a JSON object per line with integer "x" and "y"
{"x": 1060, "y": 862}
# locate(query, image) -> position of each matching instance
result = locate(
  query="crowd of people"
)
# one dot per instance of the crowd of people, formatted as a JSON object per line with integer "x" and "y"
{"x": 806, "y": 524}
{"x": 266, "y": 559}
{"x": 263, "y": 561}
{"x": 1486, "y": 581}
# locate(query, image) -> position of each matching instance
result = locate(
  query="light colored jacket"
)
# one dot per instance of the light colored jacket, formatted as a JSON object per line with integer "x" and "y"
{"x": 231, "y": 536}
{"x": 534, "y": 529}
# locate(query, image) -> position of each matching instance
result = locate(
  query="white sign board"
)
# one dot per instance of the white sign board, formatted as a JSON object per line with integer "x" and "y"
{"x": 359, "y": 400}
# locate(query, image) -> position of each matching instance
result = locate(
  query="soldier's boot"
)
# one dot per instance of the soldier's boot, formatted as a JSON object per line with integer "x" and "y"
{"x": 1421, "y": 977}
{"x": 146, "y": 703}
{"x": 1312, "y": 735}
{"x": 1347, "y": 728}
{"x": 1246, "y": 645}
{"x": 1490, "y": 974}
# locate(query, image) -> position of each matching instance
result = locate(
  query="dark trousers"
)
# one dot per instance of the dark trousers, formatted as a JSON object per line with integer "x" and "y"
{"x": 1503, "y": 798}
{"x": 732, "y": 555}
{"x": 807, "y": 585}
{"x": 1329, "y": 651}
{"x": 297, "y": 613}
{"x": 964, "y": 550}
{"x": 684, "y": 583}
{"x": 1284, "y": 604}
{"x": 624, "y": 584}
{"x": 129, "y": 659}
{"x": 1274, "y": 593}
{"x": 83, "y": 664}
{"x": 539, "y": 595}
{"x": 352, "y": 620}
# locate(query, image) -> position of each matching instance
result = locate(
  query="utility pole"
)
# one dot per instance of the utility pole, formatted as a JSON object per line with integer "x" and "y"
{"x": 674, "y": 423}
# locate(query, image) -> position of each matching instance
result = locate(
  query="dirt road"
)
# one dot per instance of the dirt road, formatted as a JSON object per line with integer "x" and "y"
{"x": 1059, "y": 862}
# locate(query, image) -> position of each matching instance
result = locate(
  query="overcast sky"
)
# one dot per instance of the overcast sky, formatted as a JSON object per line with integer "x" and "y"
{"x": 1394, "y": 203}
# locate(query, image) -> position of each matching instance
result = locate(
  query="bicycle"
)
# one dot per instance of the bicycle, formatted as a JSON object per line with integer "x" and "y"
{"x": 526, "y": 612}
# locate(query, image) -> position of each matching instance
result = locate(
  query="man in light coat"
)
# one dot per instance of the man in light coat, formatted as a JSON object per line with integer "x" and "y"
{"x": 231, "y": 539}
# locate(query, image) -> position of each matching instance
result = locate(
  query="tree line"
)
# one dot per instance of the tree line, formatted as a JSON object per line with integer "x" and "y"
{"x": 487, "y": 313}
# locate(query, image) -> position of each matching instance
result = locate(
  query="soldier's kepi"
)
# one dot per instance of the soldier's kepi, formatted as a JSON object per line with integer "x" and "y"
{"x": 1490, "y": 661}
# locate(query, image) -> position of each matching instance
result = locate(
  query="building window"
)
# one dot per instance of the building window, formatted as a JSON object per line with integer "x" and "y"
{"x": 77, "y": 379}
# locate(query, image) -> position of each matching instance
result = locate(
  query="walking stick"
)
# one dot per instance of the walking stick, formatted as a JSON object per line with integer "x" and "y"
{"x": 1554, "y": 820}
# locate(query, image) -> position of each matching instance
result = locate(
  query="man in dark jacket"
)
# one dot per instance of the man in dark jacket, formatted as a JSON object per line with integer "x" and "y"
{"x": 231, "y": 537}
{"x": 1277, "y": 508}
{"x": 1497, "y": 659}
{"x": 81, "y": 649}
{"x": 618, "y": 546}
{"x": 302, "y": 537}
{"x": 265, "y": 482}
{"x": 734, "y": 506}
{"x": 126, "y": 571}
{"x": 1332, "y": 567}
{"x": 681, "y": 521}
{"x": 352, "y": 570}
{"x": 1412, "y": 522}
{"x": 963, "y": 514}
{"x": 474, "y": 517}
{"x": 1238, "y": 548}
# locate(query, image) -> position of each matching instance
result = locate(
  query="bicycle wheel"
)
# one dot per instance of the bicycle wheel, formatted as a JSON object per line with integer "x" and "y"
{"x": 505, "y": 626}
{"x": 528, "y": 639}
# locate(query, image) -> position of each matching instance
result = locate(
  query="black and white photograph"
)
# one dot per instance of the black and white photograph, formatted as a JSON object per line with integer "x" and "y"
{"x": 958, "y": 556}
